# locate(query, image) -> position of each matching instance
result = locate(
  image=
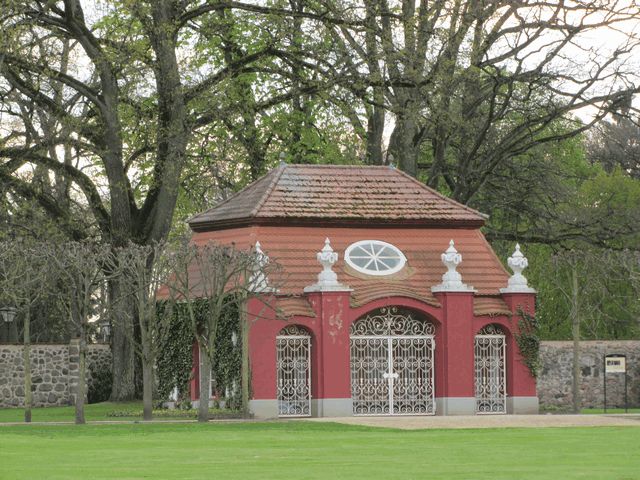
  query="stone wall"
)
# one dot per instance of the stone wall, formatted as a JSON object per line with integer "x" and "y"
{"x": 54, "y": 372}
{"x": 554, "y": 381}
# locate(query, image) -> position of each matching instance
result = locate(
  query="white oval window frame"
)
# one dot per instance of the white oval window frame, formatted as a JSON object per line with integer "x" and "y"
{"x": 391, "y": 271}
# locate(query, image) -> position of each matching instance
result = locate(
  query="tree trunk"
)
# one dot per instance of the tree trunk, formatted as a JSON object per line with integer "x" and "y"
{"x": 28, "y": 396}
{"x": 82, "y": 379}
{"x": 375, "y": 129}
{"x": 403, "y": 145}
{"x": 205, "y": 385}
{"x": 575, "y": 332}
{"x": 123, "y": 354}
{"x": 245, "y": 366}
{"x": 147, "y": 389}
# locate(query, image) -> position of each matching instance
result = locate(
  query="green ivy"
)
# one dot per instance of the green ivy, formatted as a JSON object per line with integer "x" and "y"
{"x": 175, "y": 359}
{"x": 228, "y": 359}
{"x": 174, "y": 364}
{"x": 528, "y": 341}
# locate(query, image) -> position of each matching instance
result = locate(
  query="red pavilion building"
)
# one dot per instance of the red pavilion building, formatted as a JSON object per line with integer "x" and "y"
{"x": 394, "y": 302}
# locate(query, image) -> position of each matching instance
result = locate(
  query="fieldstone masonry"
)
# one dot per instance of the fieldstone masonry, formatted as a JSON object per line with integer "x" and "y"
{"x": 55, "y": 373}
{"x": 554, "y": 381}
{"x": 54, "y": 370}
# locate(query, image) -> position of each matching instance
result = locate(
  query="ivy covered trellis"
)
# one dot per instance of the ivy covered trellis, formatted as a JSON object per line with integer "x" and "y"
{"x": 175, "y": 362}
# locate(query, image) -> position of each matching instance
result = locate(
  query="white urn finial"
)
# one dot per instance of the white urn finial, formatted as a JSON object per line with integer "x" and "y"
{"x": 327, "y": 278}
{"x": 259, "y": 281}
{"x": 452, "y": 280}
{"x": 517, "y": 282}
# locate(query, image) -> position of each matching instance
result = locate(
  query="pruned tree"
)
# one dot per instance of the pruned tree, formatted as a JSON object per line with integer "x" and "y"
{"x": 145, "y": 270}
{"x": 80, "y": 266}
{"x": 223, "y": 277}
{"x": 24, "y": 274}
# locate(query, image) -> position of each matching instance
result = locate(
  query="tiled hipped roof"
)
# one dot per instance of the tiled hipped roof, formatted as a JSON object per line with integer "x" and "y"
{"x": 294, "y": 207}
{"x": 329, "y": 194}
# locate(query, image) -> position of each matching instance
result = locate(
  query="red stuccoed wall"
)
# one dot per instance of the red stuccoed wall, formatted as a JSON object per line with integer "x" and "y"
{"x": 455, "y": 322}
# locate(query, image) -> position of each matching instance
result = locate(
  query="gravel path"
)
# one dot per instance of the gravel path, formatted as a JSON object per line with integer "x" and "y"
{"x": 491, "y": 421}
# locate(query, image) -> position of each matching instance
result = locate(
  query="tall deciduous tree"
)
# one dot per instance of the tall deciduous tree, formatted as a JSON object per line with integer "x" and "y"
{"x": 123, "y": 86}
{"x": 80, "y": 267}
{"x": 470, "y": 84}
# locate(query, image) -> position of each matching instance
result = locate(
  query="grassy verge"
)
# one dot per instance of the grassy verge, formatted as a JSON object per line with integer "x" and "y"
{"x": 609, "y": 410}
{"x": 104, "y": 411}
{"x": 315, "y": 450}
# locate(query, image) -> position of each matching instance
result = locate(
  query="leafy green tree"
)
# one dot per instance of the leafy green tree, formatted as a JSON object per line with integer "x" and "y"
{"x": 125, "y": 88}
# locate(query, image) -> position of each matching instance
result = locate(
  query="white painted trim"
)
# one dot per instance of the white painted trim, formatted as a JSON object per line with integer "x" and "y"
{"x": 391, "y": 271}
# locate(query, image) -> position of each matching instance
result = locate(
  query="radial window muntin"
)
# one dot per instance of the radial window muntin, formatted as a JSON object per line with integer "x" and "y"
{"x": 374, "y": 257}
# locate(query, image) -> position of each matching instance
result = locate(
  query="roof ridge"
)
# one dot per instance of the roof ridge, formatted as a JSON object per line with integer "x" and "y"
{"x": 330, "y": 165}
{"x": 279, "y": 171}
{"x": 444, "y": 197}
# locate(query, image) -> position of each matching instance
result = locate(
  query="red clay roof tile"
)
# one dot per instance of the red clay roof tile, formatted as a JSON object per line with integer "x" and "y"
{"x": 330, "y": 194}
{"x": 295, "y": 248}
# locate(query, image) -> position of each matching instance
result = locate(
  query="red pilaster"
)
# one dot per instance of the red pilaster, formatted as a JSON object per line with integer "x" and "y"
{"x": 520, "y": 382}
{"x": 454, "y": 363}
{"x": 263, "y": 329}
{"x": 331, "y": 371}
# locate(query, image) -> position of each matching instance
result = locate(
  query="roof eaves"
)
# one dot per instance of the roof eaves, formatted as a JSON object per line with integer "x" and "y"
{"x": 197, "y": 216}
{"x": 346, "y": 222}
{"x": 484, "y": 216}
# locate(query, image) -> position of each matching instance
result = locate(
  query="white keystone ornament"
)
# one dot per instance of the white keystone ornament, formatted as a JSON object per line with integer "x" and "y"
{"x": 327, "y": 278}
{"x": 452, "y": 280}
{"x": 517, "y": 282}
{"x": 259, "y": 281}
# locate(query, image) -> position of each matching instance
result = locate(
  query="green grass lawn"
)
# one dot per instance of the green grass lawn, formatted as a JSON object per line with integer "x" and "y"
{"x": 599, "y": 411}
{"x": 305, "y": 450}
{"x": 98, "y": 412}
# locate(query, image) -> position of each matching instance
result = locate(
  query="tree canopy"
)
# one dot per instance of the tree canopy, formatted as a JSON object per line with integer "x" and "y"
{"x": 119, "y": 119}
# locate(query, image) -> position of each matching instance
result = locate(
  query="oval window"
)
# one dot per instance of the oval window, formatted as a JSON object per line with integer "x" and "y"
{"x": 374, "y": 257}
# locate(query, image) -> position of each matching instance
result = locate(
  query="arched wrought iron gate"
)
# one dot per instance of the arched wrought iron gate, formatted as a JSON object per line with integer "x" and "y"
{"x": 490, "y": 349}
{"x": 392, "y": 364}
{"x": 293, "y": 365}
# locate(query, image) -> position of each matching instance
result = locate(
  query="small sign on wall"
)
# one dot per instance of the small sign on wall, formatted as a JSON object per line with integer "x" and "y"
{"x": 615, "y": 364}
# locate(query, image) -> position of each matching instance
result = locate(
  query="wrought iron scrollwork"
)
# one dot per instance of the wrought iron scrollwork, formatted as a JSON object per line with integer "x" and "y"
{"x": 392, "y": 353}
{"x": 491, "y": 329}
{"x": 293, "y": 365}
{"x": 490, "y": 347}
{"x": 391, "y": 321}
{"x": 295, "y": 330}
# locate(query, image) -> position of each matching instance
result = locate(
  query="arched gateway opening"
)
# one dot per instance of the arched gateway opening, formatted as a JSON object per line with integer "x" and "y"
{"x": 490, "y": 354}
{"x": 293, "y": 364}
{"x": 392, "y": 351}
